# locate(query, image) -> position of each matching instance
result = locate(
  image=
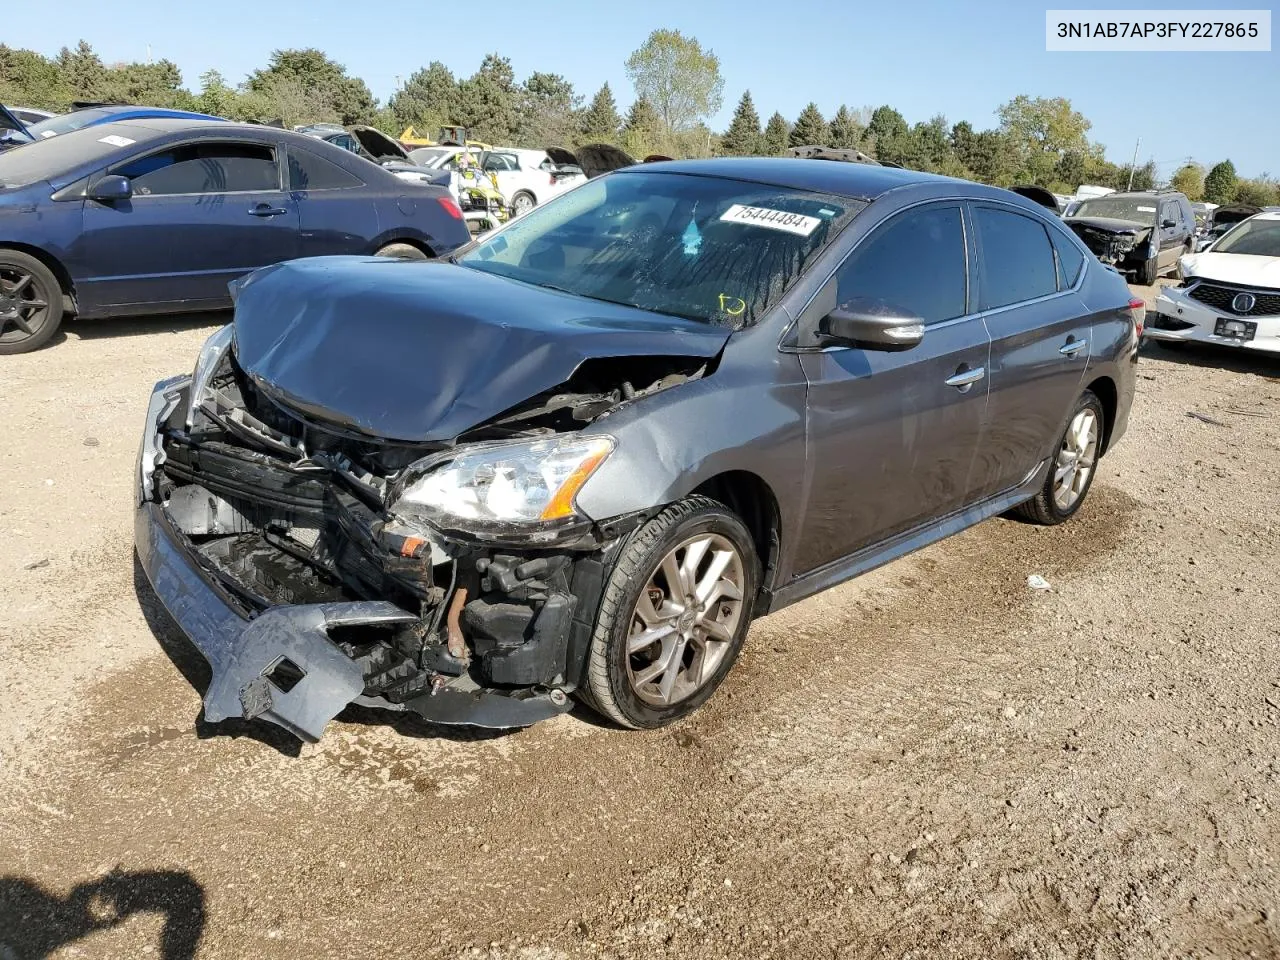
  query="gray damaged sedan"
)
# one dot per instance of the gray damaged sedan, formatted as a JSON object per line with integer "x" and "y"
{"x": 577, "y": 459}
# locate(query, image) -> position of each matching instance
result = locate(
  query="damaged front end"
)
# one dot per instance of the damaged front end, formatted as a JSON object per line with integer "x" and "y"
{"x": 1121, "y": 246}
{"x": 315, "y": 566}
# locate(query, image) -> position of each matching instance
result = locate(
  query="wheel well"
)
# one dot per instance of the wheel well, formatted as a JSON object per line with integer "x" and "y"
{"x": 1104, "y": 388}
{"x": 751, "y": 499}
{"x": 407, "y": 241}
{"x": 53, "y": 263}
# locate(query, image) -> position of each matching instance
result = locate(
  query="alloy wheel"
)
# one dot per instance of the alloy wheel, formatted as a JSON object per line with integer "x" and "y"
{"x": 24, "y": 306}
{"x": 1075, "y": 460}
{"x": 685, "y": 619}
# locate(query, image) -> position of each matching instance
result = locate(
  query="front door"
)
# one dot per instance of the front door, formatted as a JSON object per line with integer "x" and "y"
{"x": 1040, "y": 336}
{"x": 892, "y": 435}
{"x": 201, "y": 215}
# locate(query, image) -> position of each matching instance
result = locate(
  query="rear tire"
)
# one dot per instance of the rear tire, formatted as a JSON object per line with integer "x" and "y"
{"x": 404, "y": 251}
{"x": 711, "y": 552}
{"x": 1077, "y": 452}
{"x": 30, "y": 303}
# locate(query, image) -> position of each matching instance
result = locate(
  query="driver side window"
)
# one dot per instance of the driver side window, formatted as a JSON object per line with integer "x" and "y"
{"x": 915, "y": 261}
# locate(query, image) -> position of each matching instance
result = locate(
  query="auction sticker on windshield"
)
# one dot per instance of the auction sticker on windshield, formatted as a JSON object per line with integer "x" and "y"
{"x": 796, "y": 223}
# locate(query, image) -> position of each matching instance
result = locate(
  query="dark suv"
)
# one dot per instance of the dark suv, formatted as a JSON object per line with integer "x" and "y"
{"x": 580, "y": 456}
{"x": 1143, "y": 234}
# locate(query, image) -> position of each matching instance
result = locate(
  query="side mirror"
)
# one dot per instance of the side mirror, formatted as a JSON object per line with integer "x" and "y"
{"x": 111, "y": 187}
{"x": 1169, "y": 223}
{"x": 872, "y": 325}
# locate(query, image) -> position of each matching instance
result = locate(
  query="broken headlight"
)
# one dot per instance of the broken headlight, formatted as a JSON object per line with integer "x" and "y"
{"x": 207, "y": 364}
{"x": 509, "y": 483}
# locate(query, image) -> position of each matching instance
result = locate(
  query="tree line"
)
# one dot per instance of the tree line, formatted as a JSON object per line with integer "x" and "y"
{"x": 678, "y": 88}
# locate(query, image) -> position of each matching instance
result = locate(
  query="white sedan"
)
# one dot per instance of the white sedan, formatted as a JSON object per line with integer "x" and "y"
{"x": 1229, "y": 294}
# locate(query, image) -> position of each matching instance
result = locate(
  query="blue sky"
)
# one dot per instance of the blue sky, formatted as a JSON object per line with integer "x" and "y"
{"x": 958, "y": 59}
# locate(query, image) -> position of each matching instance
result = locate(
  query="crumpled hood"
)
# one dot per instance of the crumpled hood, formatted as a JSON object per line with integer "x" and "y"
{"x": 1109, "y": 224}
{"x": 414, "y": 351}
{"x": 1242, "y": 269}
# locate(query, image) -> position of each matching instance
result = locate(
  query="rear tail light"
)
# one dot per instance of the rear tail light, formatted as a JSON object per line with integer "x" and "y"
{"x": 450, "y": 206}
{"x": 1138, "y": 313}
{"x": 551, "y": 179}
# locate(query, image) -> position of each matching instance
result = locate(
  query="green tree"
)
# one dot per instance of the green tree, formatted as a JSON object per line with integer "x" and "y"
{"x": 309, "y": 82}
{"x": 28, "y": 78}
{"x": 846, "y": 132}
{"x": 1144, "y": 177}
{"x": 811, "y": 128}
{"x": 1260, "y": 192}
{"x": 548, "y": 112}
{"x": 427, "y": 100}
{"x": 641, "y": 133}
{"x": 488, "y": 101}
{"x": 1189, "y": 179}
{"x": 991, "y": 158}
{"x": 886, "y": 124}
{"x": 600, "y": 122}
{"x": 1040, "y": 130}
{"x": 743, "y": 136}
{"x": 1220, "y": 183}
{"x": 931, "y": 145}
{"x": 680, "y": 79}
{"x": 215, "y": 96}
{"x": 83, "y": 72}
{"x": 777, "y": 134}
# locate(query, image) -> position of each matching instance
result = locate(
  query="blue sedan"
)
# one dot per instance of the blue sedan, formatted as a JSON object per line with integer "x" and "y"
{"x": 159, "y": 215}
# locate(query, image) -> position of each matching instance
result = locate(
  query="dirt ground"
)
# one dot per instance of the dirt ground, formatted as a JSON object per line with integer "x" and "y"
{"x": 931, "y": 761}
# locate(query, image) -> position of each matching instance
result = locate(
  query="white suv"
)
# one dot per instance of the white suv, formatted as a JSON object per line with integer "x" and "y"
{"x": 527, "y": 178}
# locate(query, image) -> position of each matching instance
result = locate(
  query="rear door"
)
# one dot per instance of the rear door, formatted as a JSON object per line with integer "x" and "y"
{"x": 336, "y": 214}
{"x": 892, "y": 436}
{"x": 202, "y": 214}
{"x": 1039, "y": 340}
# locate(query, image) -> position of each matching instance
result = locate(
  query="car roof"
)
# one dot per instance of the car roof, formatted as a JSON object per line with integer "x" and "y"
{"x": 862, "y": 181}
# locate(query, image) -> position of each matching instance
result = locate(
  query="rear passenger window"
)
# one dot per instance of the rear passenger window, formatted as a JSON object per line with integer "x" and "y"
{"x": 203, "y": 168}
{"x": 916, "y": 261}
{"x": 1070, "y": 260}
{"x": 309, "y": 172}
{"x": 1017, "y": 261}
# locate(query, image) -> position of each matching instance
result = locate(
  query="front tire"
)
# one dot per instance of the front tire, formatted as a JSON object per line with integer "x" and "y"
{"x": 522, "y": 203}
{"x": 1148, "y": 272}
{"x": 30, "y": 303}
{"x": 1071, "y": 475}
{"x": 673, "y": 615}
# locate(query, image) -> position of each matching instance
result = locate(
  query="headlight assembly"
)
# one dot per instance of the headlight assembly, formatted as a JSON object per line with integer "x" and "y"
{"x": 532, "y": 485}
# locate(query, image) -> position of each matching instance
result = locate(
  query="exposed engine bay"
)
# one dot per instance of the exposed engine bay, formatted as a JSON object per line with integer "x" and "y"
{"x": 284, "y": 514}
{"x": 1121, "y": 246}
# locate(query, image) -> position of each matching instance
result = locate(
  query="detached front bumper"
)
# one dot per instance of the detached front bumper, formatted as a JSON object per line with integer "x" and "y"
{"x": 1179, "y": 317}
{"x": 281, "y": 664}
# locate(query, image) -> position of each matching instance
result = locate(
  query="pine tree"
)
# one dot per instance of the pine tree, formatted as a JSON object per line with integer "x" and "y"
{"x": 846, "y": 132}
{"x": 743, "y": 136}
{"x": 640, "y": 132}
{"x": 600, "y": 122}
{"x": 1220, "y": 184}
{"x": 775, "y": 135}
{"x": 811, "y": 128}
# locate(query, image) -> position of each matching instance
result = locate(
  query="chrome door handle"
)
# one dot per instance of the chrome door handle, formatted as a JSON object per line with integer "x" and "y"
{"x": 266, "y": 210}
{"x": 1073, "y": 347}
{"x": 964, "y": 378}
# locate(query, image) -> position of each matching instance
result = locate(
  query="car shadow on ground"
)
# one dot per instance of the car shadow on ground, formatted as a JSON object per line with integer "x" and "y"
{"x": 138, "y": 327}
{"x": 195, "y": 669}
{"x": 1210, "y": 355}
{"x": 36, "y": 923}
